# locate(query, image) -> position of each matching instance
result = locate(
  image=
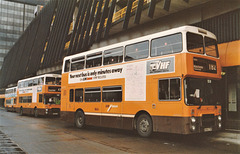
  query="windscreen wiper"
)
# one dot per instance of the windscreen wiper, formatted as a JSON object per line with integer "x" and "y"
{"x": 201, "y": 102}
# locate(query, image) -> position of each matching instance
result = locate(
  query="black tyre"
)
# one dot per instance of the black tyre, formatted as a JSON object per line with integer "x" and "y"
{"x": 35, "y": 113}
{"x": 144, "y": 125}
{"x": 80, "y": 119}
{"x": 21, "y": 112}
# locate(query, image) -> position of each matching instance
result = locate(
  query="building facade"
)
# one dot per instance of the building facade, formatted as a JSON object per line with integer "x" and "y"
{"x": 14, "y": 19}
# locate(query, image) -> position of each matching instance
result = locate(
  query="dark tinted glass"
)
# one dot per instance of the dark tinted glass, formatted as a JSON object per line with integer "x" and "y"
{"x": 194, "y": 43}
{"x": 211, "y": 47}
{"x": 71, "y": 95}
{"x": 79, "y": 95}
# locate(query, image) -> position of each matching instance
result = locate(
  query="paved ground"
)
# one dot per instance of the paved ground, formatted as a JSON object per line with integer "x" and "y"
{"x": 8, "y": 146}
{"x": 51, "y": 135}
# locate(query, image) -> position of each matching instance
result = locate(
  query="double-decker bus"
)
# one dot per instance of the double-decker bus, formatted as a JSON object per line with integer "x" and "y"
{"x": 40, "y": 95}
{"x": 11, "y": 99}
{"x": 164, "y": 82}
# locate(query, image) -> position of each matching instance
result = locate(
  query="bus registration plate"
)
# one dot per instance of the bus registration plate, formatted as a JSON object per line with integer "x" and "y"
{"x": 207, "y": 129}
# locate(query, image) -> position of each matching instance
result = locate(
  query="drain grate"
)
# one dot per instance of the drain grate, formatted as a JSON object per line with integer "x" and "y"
{"x": 8, "y": 146}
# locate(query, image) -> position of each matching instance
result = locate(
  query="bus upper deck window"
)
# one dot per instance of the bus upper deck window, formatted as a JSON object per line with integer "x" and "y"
{"x": 50, "y": 80}
{"x": 58, "y": 81}
{"x": 67, "y": 66}
{"x": 211, "y": 47}
{"x": 113, "y": 56}
{"x": 137, "y": 51}
{"x": 94, "y": 60}
{"x": 40, "y": 81}
{"x": 166, "y": 45}
{"x": 35, "y": 82}
{"x": 77, "y": 63}
{"x": 195, "y": 43}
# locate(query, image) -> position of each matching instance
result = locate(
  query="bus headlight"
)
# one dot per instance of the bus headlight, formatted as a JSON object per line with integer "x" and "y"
{"x": 46, "y": 111}
{"x": 219, "y": 118}
{"x": 193, "y": 128}
{"x": 219, "y": 125}
{"x": 193, "y": 119}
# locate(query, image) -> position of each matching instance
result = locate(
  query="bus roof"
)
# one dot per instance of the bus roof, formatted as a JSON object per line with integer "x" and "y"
{"x": 148, "y": 37}
{"x": 11, "y": 88}
{"x": 44, "y": 75}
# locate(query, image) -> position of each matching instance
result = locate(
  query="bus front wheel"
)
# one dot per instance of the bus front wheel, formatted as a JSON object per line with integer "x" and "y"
{"x": 144, "y": 125}
{"x": 21, "y": 112}
{"x": 35, "y": 113}
{"x": 80, "y": 119}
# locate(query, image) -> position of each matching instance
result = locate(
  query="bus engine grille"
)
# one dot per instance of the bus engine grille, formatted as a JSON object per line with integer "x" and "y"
{"x": 208, "y": 120}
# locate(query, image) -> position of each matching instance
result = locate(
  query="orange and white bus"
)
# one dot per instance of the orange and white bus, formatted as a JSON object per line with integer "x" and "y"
{"x": 11, "y": 99}
{"x": 40, "y": 95}
{"x": 164, "y": 82}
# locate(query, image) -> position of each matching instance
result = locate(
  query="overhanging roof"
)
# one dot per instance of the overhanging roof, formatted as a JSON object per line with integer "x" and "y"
{"x": 31, "y": 2}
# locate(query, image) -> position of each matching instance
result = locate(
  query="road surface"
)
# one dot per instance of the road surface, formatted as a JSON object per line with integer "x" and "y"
{"x": 51, "y": 135}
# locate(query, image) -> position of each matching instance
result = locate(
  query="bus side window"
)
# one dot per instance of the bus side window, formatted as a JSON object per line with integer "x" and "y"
{"x": 94, "y": 60}
{"x": 77, "y": 63}
{"x": 30, "y": 83}
{"x": 112, "y": 94}
{"x": 166, "y": 45}
{"x": 79, "y": 95}
{"x": 137, "y": 51}
{"x": 169, "y": 89}
{"x": 113, "y": 56}
{"x": 40, "y": 98}
{"x": 163, "y": 90}
{"x": 71, "y": 94}
{"x": 29, "y": 99}
{"x": 93, "y": 94}
{"x": 20, "y": 99}
{"x": 40, "y": 81}
{"x": 67, "y": 66}
{"x": 35, "y": 82}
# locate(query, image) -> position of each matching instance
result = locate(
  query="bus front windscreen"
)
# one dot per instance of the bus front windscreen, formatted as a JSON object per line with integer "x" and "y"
{"x": 53, "y": 81}
{"x": 52, "y": 99}
{"x": 202, "y": 45}
{"x": 201, "y": 91}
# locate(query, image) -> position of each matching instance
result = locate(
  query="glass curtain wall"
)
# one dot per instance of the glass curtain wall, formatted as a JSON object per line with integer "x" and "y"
{"x": 14, "y": 19}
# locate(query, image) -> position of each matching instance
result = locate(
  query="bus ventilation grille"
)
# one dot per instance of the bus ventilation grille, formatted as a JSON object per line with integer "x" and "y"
{"x": 208, "y": 120}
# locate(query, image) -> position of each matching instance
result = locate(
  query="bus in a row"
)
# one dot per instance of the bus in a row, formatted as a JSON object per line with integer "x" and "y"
{"x": 11, "y": 99}
{"x": 40, "y": 95}
{"x": 164, "y": 82}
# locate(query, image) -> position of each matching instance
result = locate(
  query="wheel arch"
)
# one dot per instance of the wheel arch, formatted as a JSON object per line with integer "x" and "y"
{"x": 79, "y": 109}
{"x": 137, "y": 115}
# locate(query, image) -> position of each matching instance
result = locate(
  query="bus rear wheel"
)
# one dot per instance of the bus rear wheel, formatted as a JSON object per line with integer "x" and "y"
{"x": 80, "y": 119}
{"x": 35, "y": 113}
{"x": 21, "y": 112}
{"x": 144, "y": 125}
